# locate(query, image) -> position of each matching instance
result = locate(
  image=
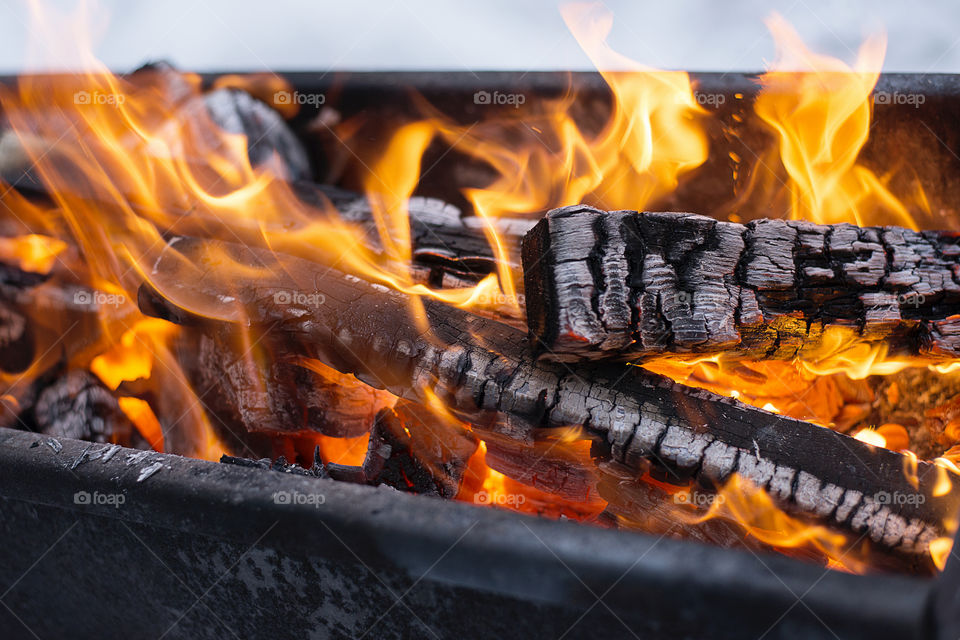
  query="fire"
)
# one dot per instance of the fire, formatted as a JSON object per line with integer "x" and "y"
{"x": 822, "y": 120}
{"x": 740, "y": 502}
{"x": 32, "y": 252}
{"x": 870, "y": 436}
{"x": 145, "y": 162}
{"x": 940, "y": 549}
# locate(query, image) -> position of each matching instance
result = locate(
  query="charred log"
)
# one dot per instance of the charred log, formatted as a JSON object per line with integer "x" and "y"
{"x": 254, "y": 391}
{"x": 280, "y": 465}
{"x": 412, "y": 450}
{"x": 625, "y": 284}
{"x": 560, "y": 468}
{"x": 485, "y": 372}
{"x": 77, "y": 405}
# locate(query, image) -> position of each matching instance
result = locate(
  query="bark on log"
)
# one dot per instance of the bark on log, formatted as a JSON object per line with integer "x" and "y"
{"x": 485, "y": 371}
{"x": 253, "y": 391}
{"x": 77, "y": 405}
{"x": 413, "y": 451}
{"x": 624, "y": 284}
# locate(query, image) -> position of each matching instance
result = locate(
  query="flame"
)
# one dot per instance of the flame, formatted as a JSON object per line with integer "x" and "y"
{"x": 143, "y": 418}
{"x": 141, "y": 163}
{"x": 819, "y": 110}
{"x": 822, "y": 119}
{"x": 741, "y": 502}
{"x": 870, "y": 436}
{"x": 543, "y": 158}
{"x": 32, "y": 252}
{"x": 940, "y": 550}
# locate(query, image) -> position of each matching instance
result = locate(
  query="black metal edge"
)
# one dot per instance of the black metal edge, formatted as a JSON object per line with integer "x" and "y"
{"x": 485, "y": 549}
{"x": 943, "y": 84}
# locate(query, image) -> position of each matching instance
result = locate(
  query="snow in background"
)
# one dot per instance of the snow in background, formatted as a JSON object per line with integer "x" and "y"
{"x": 210, "y": 35}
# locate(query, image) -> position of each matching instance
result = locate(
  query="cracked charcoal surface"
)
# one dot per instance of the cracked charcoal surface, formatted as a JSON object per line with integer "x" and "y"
{"x": 486, "y": 373}
{"x": 624, "y": 284}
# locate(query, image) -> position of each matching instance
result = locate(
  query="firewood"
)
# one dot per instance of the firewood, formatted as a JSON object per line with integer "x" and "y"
{"x": 77, "y": 405}
{"x": 625, "y": 284}
{"x": 280, "y": 465}
{"x": 558, "y": 468}
{"x": 486, "y": 373}
{"x": 249, "y": 389}
{"x": 413, "y": 451}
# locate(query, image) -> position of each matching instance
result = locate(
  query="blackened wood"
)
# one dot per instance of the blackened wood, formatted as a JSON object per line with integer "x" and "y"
{"x": 441, "y": 237}
{"x": 548, "y": 465}
{"x": 624, "y": 284}
{"x": 256, "y": 391}
{"x": 412, "y": 450}
{"x": 487, "y": 375}
{"x": 280, "y": 465}
{"x": 77, "y": 405}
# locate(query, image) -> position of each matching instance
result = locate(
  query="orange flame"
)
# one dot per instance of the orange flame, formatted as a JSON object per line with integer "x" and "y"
{"x": 822, "y": 120}
{"x": 741, "y": 502}
{"x": 140, "y": 164}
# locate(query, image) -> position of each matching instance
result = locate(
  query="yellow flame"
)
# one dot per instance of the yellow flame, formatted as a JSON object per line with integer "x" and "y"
{"x": 870, "y": 436}
{"x": 741, "y": 502}
{"x": 142, "y": 416}
{"x": 940, "y": 550}
{"x": 32, "y": 252}
{"x": 822, "y": 120}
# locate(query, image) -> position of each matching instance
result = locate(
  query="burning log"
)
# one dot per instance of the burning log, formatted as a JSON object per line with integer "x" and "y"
{"x": 280, "y": 465}
{"x": 253, "y": 392}
{"x": 77, "y": 405}
{"x": 443, "y": 241}
{"x": 559, "y": 468}
{"x": 625, "y": 284}
{"x": 413, "y": 451}
{"x": 485, "y": 372}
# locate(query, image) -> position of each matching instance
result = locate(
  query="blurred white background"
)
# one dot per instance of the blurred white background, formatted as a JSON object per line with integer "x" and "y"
{"x": 324, "y": 35}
